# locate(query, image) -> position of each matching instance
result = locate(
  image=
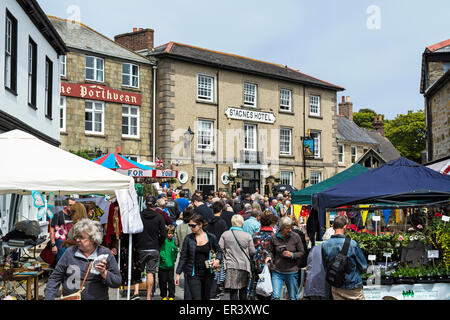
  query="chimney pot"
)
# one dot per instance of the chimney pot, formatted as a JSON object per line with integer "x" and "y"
{"x": 343, "y": 98}
{"x": 134, "y": 29}
{"x": 348, "y": 99}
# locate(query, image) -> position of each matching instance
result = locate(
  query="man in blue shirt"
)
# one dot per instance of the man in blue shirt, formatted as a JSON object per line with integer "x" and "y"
{"x": 183, "y": 202}
{"x": 252, "y": 224}
{"x": 352, "y": 289}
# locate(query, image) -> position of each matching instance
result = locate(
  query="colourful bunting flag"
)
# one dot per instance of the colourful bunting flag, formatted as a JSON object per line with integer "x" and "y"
{"x": 364, "y": 213}
{"x": 297, "y": 210}
{"x": 386, "y": 214}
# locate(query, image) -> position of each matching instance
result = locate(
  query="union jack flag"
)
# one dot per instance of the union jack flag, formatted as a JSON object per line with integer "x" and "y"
{"x": 159, "y": 162}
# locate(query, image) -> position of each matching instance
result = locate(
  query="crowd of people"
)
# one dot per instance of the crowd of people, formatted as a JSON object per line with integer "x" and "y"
{"x": 219, "y": 243}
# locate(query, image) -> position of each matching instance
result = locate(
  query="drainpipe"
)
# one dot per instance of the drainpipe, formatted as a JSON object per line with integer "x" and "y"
{"x": 217, "y": 134}
{"x": 304, "y": 135}
{"x": 154, "y": 115}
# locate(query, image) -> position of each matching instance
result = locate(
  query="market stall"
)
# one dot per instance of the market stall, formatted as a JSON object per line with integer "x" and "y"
{"x": 410, "y": 257}
{"x": 29, "y": 164}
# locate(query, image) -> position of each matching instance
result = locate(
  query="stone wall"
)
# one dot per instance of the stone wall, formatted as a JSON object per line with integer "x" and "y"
{"x": 440, "y": 109}
{"x": 75, "y": 138}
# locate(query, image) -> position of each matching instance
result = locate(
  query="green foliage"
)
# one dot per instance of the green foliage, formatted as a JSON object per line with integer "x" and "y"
{"x": 364, "y": 119}
{"x": 407, "y": 132}
{"x": 84, "y": 153}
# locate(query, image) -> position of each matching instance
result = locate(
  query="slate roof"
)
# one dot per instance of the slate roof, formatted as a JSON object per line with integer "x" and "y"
{"x": 238, "y": 63}
{"x": 81, "y": 37}
{"x": 349, "y": 131}
{"x": 384, "y": 147}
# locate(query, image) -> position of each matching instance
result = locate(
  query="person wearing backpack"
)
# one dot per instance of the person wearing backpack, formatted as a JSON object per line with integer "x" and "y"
{"x": 344, "y": 262}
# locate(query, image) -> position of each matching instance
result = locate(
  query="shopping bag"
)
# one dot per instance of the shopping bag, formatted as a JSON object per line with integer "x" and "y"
{"x": 264, "y": 285}
{"x": 47, "y": 255}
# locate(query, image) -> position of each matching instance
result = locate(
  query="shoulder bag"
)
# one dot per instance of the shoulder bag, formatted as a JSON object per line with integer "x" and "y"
{"x": 252, "y": 263}
{"x": 77, "y": 295}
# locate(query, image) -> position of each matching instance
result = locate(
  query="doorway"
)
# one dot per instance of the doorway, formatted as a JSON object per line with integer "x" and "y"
{"x": 250, "y": 180}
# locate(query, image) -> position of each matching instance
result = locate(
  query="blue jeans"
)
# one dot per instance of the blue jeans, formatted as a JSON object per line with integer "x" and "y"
{"x": 277, "y": 283}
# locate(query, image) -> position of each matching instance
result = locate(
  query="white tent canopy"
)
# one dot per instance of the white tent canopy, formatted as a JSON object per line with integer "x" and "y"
{"x": 28, "y": 163}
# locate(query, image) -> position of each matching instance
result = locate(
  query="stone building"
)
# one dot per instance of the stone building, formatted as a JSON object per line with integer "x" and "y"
{"x": 369, "y": 148}
{"x": 435, "y": 86}
{"x": 106, "y": 95}
{"x": 223, "y": 117}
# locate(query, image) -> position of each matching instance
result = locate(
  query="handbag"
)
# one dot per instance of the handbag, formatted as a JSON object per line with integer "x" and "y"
{"x": 77, "y": 295}
{"x": 264, "y": 285}
{"x": 252, "y": 262}
{"x": 213, "y": 255}
{"x": 47, "y": 255}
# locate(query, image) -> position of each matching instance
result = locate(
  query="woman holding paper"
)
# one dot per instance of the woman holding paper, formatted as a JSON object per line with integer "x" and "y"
{"x": 73, "y": 265}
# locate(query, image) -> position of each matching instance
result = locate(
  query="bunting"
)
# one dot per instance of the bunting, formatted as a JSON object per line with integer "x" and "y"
{"x": 297, "y": 210}
{"x": 386, "y": 214}
{"x": 364, "y": 213}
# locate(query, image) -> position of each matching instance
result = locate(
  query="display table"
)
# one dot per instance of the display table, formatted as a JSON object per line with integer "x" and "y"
{"x": 23, "y": 276}
{"x": 418, "y": 291}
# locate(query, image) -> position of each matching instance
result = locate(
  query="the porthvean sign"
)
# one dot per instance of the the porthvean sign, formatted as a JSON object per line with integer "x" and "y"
{"x": 99, "y": 92}
{"x": 250, "y": 115}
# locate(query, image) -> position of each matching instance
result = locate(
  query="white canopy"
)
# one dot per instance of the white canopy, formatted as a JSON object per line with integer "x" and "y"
{"x": 28, "y": 163}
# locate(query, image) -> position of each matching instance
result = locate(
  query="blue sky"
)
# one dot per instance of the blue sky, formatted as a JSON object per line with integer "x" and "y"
{"x": 371, "y": 48}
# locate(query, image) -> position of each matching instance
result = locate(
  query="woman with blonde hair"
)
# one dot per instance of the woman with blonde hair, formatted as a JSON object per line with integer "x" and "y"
{"x": 238, "y": 249}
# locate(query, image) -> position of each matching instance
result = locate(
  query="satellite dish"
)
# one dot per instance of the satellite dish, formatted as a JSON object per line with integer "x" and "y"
{"x": 183, "y": 177}
{"x": 224, "y": 178}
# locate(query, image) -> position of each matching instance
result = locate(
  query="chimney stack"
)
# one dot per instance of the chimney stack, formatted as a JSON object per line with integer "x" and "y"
{"x": 137, "y": 40}
{"x": 378, "y": 124}
{"x": 346, "y": 108}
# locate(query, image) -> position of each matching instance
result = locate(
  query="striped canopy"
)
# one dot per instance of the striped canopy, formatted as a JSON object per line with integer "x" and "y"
{"x": 117, "y": 161}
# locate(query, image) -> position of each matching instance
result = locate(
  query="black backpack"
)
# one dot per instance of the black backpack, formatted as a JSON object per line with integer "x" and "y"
{"x": 339, "y": 266}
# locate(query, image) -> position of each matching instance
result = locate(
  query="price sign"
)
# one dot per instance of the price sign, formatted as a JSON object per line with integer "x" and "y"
{"x": 433, "y": 254}
{"x": 376, "y": 218}
{"x": 372, "y": 257}
{"x": 446, "y": 218}
{"x": 387, "y": 254}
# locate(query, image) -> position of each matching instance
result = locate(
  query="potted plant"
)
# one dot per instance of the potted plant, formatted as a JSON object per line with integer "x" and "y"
{"x": 426, "y": 275}
{"x": 386, "y": 278}
{"x": 405, "y": 275}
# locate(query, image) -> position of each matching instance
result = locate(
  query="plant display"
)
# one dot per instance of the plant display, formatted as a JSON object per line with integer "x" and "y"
{"x": 434, "y": 234}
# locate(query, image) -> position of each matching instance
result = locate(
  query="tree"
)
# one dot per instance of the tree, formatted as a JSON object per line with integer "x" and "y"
{"x": 364, "y": 118}
{"x": 86, "y": 154}
{"x": 407, "y": 132}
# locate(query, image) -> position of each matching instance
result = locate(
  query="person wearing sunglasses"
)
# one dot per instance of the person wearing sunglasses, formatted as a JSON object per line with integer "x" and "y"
{"x": 196, "y": 259}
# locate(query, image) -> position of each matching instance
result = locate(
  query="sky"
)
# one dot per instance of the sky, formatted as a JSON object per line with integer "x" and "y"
{"x": 371, "y": 48}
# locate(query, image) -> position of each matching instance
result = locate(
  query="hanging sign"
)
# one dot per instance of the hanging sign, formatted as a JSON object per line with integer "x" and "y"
{"x": 376, "y": 218}
{"x": 308, "y": 146}
{"x": 99, "y": 92}
{"x": 250, "y": 115}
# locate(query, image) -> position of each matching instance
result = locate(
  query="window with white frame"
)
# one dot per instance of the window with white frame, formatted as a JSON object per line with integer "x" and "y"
{"x": 205, "y": 87}
{"x": 62, "y": 113}
{"x": 341, "y": 158}
{"x": 48, "y": 88}
{"x": 287, "y": 177}
{"x": 62, "y": 66}
{"x": 10, "y": 52}
{"x": 315, "y": 177}
{"x": 130, "y": 121}
{"x": 285, "y": 141}
{"x": 94, "y": 117}
{"x": 32, "y": 70}
{"x": 286, "y": 100}
{"x": 314, "y": 105}
{"x": 205, "y": 137}
{"x": 250, "y": 137}
{"x": 130, "y": 75}
{"x": 94, "y": 68}
{"x": 250, "y": 94}
{"x": 132, "y": 157}
{"x": 316, "y": 137}
{"x": 353, "y": 154}
{"x": 205, "y": 177}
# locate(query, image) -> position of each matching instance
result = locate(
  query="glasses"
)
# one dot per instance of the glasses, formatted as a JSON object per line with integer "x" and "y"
{"x": 192, "y": 225}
